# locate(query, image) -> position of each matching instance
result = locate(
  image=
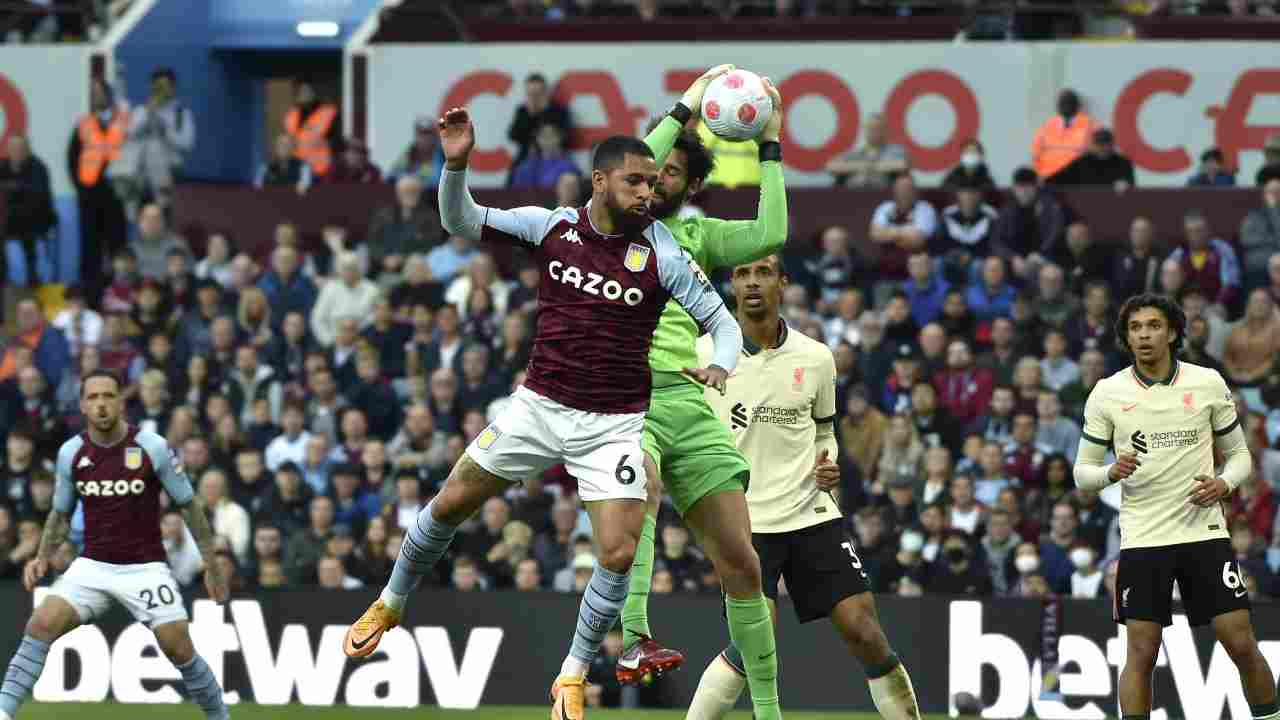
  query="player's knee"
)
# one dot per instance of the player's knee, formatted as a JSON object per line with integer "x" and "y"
{"x": 41, "y": 627}
{"x": 1142, "y": 653}
{"x": 179, "y": 650}
{"x": 740, "y": 570}
{"x": 617, "y": 552}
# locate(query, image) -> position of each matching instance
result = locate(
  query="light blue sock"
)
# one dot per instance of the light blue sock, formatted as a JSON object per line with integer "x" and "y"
{"x": 601, "y": 605}
{"x": 24, "y": 670}
{"x": 425, "y": 542}
{"x": 203, "y": 688}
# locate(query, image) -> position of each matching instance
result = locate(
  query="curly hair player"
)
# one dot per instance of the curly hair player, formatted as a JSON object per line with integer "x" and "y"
{"x": 1164, "y": 418}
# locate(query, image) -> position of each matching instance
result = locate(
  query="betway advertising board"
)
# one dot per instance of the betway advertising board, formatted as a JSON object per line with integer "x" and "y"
{"x": 505, "y": 648}
{"x": 1166, "y": 101}
{"x": 43, "y": 91}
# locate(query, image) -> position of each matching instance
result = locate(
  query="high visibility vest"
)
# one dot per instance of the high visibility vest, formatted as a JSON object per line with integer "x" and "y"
{"x": 99, "y": 147}
{"x": 1056, "y": 145}
{"x": 312, "y": 138}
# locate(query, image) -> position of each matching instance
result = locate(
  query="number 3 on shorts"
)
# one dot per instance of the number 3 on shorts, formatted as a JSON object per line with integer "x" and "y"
{"x": 624, "y": 473}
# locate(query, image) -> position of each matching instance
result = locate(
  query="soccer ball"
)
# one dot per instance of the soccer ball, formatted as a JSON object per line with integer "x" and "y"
{"x": 736, "y": 106}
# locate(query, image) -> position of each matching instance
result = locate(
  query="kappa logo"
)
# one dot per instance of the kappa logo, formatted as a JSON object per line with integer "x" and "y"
{"x": 571, "y": 236}
{"x": 84, "y": 463}
{"x": 1139, "y": 441}
{"x": 738, "y": 416}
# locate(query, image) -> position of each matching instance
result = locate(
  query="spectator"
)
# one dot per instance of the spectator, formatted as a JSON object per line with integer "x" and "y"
{"x": 1137, "y": 270}
{"x": 92, "y": 156}
{"x": 353, "y": 166}
{"x": 466, "y": 576}
{"x": 1270, "y": 161}
{"x": 1054, "y": 304}
{"x": 252, "y": 381}
{"x": 411, "y": 226}
{"x": 553, "y": 548}
{"x": 478, "y": 541}
{"x": 957, "y": 572}
{"x": 1029, "y": 227}
{"x": 47, "y": 345}
{"x": 352, "y": 507}
{"x": 1084, "y": 261}
{"x": 313, "y": 128}
{"x": 417, "y": 446}
{"x": 161, "y": 133}
{"x": 449, "y": 259}
{"x": 901, "y": 226}
{"x": 1173, "y": 281}
{"x": 286, "y": 287}
{"x": 482, "y": 272}
{"x": 417, "y": 288}
{"x": 966, "y": 513}
{"x": 538, "y": 109}
{"x": 1063, "y": 137}
{"x": 570, "y": 190}
{"x": 81, "y": 326}
{"x": 1093, "y": 367}
{"x": 1060, "y": 435}
{"x": 1100, "y": 166}
{"x": 229, "y": 519}
{"x": 966, "y": 231}
{"x": 908, "y": 565}
{"x": 1054, "y": 551}
{"x": 330, "y": 572}
{"x": 1207, "y": 262}
{"x": 934, "y": 426}
{"x": 862, "y": 431}
{"x": 1057, "y": 369}
{"x": 896, "y": 397}
{"x": 899, "y": 328}
{"x": 1260, "y": 235}
{"x": 1086, "y": 580}
{"x": 1092, "y": 329}
{"x": 1024, "y": 456}
{"x": 285, "y": 168}
{"x": 876, "y": 544}
{"x": 838, "y": 268}
{"x": 965, "y": 389}
{"x": 972, "y": 171}
{"x": 347, "y": 296}
{"x": 925, "y": 291}
{"x": 998, "y": 545}
{"x": 1212, "y": 171}
{"x": 902, "y": 454}
{"x": 372, "y": 394}
{"x": 289, "y": 500}
{"x": 316, "y": 466}
{"x": 180, "y": 549}
{"x": 993, "y": 296}
{"x": 30, "y": 217}
{"x": 154, "y": 242}
{"x": 389, "y": 338}
{"x": 543, "y": 168}
{"x": 423, "y": 158}
{"x": 1254, "y": 343}
{"x": 216, "y": 264}
{"x": 875, "y": 164}
{"x": 1196, "y": 349}
{"x": 528, "y": 577}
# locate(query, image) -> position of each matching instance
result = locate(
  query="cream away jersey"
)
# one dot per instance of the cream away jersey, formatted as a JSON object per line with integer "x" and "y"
{"x": 774, "y": 402}
{"x": 1170, "y": 425}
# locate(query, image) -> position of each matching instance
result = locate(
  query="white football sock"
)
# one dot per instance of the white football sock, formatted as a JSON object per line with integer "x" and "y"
{"x": 393, "y": 600}
{"x": 717, "y": 692}
{"x": 893, "y": 695}
{"x": 573, "y": 666}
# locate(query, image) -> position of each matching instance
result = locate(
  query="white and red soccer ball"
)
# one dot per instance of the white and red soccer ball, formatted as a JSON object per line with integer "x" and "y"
{"x": 736, "y": 105}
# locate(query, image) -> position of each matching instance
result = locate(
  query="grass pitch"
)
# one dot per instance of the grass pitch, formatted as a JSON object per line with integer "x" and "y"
{"x": 114, "y": 711}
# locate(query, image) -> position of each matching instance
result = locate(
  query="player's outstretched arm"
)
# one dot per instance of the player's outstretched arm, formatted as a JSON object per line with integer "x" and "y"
{"x": 663, "y": 137}
{"x": 459, "y": 213}
{"x": 198, "y": 522}
{"x": 689, "y": 286}
{"x": 734, "y": 242}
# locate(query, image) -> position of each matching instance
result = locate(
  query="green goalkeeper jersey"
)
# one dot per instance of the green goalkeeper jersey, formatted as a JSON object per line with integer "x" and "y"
{"x": 713, "y": 244}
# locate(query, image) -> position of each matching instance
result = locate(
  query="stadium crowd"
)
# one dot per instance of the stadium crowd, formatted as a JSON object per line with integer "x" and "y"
{"x": 318, "y": 397}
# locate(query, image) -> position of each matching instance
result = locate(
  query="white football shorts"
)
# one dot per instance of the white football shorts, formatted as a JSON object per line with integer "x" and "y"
{"x": 147, "y": 590}
{"x": 601, "y": 450}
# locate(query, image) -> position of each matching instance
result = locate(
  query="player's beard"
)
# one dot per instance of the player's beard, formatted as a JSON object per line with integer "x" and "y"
{"x": 662, "y": 207}
{"x": 623, "y": 220}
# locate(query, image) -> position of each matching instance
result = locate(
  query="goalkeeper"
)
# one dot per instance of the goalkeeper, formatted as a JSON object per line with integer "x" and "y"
{"x": 688, "y": 450}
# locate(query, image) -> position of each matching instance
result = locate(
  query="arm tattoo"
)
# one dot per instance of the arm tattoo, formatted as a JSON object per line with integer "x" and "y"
{"x": 198, "y": 522}
{"x": 56, "y": 528}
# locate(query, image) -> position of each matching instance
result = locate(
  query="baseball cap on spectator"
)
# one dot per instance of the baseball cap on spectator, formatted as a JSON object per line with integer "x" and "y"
{"x": 1025, "y": 176}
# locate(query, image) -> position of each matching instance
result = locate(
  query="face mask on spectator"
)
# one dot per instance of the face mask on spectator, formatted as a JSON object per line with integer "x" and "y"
{"x": 912, "y": 542}
{"x": 971, "y": 160}
{"x": 1026, "y": 564}
{"x": 956, "y": 555}
{"x": 1081, "y": 558}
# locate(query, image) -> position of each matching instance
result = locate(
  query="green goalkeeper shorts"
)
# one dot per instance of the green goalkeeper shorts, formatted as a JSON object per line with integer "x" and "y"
{"x": 692, "y": 448}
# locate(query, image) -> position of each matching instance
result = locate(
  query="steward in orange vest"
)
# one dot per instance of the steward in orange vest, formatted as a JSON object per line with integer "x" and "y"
{"x": 314, "y": 129}
{"x": 1063, "y": 137}
{"x": 96, "y": 142}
